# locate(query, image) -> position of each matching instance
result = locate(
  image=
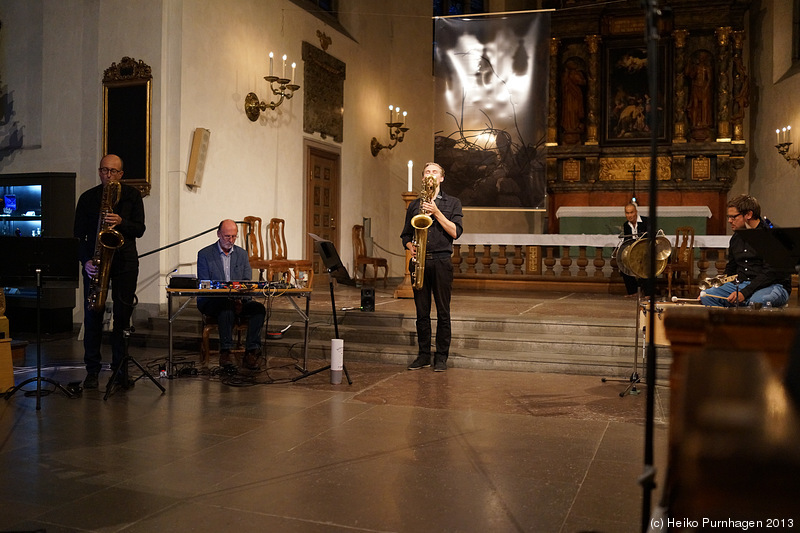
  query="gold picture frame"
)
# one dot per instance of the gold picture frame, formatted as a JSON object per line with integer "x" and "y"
{"x": 127, "y": 97}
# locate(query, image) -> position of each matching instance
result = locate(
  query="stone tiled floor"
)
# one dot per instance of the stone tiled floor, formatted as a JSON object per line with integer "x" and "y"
{"x": 464, "y": 450}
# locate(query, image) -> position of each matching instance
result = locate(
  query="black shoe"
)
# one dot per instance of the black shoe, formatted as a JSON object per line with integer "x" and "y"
{"x": 420, "y": 362}
{"x": 440, "y": 365}
{"x": 224, "y": 358}
{"x": 91, "y": 381}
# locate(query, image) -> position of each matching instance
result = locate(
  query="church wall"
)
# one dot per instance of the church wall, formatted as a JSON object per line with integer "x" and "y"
{"x": 205, "y": 57}
{"x": 774, "y": 181}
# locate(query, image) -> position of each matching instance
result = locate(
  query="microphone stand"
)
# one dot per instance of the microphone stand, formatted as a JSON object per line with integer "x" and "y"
{"x": 647, "y": 479}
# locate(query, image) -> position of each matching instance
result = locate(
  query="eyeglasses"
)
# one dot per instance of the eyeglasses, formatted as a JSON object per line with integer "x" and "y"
{"x": 733, "y": 217}
{"x": 109, "y": 171}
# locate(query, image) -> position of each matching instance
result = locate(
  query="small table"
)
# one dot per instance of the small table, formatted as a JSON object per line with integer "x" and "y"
{"x": 292, "y": 294}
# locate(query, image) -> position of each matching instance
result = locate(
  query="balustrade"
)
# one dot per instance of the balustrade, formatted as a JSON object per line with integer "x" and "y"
{"x": 573, "y": 263}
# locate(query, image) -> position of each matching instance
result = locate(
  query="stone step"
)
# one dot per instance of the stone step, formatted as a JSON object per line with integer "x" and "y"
{"x": 593, "y": 346}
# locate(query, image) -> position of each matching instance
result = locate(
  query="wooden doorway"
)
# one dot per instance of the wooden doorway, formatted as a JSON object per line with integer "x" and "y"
{"x": 322, "y": 193}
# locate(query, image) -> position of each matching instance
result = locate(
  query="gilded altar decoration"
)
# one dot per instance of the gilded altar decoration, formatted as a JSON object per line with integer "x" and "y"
{"x": 701, "y": 168}
{"x": 622, "y": 168}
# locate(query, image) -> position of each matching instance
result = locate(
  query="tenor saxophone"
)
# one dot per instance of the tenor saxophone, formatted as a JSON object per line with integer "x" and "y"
{"x": 107, "y": 242}
{"x": 421, "y": 223}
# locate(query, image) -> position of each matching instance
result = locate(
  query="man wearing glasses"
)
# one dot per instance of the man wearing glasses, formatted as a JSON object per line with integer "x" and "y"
{"x": 127, "y": 217}
{"x": 756, "y": 281}
{"x": 224, "y": 261}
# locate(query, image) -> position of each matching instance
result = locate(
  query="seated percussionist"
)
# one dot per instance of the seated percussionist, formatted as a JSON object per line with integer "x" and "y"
{"x": 757, "y": 281}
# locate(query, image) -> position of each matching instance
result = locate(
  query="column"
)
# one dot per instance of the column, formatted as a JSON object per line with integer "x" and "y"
{"x": 552, "y": 104}
{"x": 593, "y": 90}
{"x": 741, "y": 88}
{"x": 723, "y": 85}
{"x": 679, "y": 86}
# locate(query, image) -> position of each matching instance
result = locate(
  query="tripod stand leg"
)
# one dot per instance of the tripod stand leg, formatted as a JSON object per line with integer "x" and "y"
{"x": 123, "y": 368}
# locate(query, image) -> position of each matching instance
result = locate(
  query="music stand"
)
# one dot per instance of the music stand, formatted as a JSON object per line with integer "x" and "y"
{"x": 37, "y": 262}
{"x": 336, "y": 270}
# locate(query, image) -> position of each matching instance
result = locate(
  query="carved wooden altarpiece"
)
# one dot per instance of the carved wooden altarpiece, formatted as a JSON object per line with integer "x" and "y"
{"x": 598, "y": 137}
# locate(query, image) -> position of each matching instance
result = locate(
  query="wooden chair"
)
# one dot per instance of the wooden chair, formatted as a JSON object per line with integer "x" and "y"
{"x": 361, "y": 260}
{"x": 267, "y": 268}
{"x": 294, "y": 267}
{"x": 680, "y": 269}
{"x": 210, "y": 324}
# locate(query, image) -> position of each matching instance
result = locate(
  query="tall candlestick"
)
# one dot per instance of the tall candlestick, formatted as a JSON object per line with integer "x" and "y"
{"x": 788, "y": 134}
{"x": 391, "y": 107}
{"x": 293, "y": 66}
{"x": 410, "y": 175}
{"x": 404, "y": 116}
{"x": 270, "y": 63}
{"x": 397, "y": 114}
{"x": 778, "y": 135}
{"x": 283, "y": 72}
{"x": 783, "y": 135}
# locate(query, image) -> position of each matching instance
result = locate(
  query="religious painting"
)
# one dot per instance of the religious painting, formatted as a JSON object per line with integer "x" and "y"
{"x": 627, "y": 96}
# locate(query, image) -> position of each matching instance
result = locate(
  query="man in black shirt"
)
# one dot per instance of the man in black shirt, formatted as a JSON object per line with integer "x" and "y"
{"x": 634, "y": 227}
{"x": 756, "y": 281}
{"x": 445, "y": 210}
{"x": 127, "y": 218}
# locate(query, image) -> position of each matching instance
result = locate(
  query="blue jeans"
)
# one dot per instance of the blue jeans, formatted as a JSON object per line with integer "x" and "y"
{"x": 775, "y": 295}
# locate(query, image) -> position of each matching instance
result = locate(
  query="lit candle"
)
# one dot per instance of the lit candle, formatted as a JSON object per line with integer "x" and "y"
{"x": 410, "y": 175}
{"x": 404, "y": 116}
{"x": 783, "y": 134}
{"x": 270, "y": 63}
{"x": 788, "y": 134}
{"x": 283, "y": 72}
{"x": 397, "y": 114}
{"x": 778, "y": 135}
{"x": 293, "y": 66}
{"x": 390, "y": 113}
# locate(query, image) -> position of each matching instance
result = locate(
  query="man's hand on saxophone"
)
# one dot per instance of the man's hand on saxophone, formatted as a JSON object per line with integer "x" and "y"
{"x": 112, "y": 219}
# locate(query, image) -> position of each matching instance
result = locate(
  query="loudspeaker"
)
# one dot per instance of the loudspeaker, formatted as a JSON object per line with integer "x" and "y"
{"x": 197, "y": 157}
{"x": 367, "y": 299}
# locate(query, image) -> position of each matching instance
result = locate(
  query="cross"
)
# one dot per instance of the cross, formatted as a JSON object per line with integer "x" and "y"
{"x": 634, "y": 172}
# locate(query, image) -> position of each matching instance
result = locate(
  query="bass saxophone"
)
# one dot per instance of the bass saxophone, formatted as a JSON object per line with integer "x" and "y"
{"x": 107, "y": 242}
{"x": 421, "y": 223}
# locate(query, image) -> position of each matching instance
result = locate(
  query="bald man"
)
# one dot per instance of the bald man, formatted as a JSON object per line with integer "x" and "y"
{"x": 224, "y": 261}
{"x": 127, "y": 217}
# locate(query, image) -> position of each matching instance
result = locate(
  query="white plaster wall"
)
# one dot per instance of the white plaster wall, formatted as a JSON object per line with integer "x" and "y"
{"x": 776, "y": 85}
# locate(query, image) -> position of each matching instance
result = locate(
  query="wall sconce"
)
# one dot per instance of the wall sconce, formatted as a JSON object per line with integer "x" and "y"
{"x": 784, "y": 143}
{"x": 397, "y": 131}
{"x": 285, "y": 89}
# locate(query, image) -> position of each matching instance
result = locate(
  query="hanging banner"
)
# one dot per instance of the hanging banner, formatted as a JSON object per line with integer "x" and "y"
{"x": 491, "y": 108}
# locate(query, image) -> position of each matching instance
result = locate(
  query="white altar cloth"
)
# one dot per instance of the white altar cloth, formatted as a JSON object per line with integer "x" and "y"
{"x": 554, "y": 239}
{"x": 669, "y": 211}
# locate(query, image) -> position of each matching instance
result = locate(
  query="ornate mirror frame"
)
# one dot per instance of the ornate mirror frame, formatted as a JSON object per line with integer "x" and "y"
{"x": 127, "y": 96}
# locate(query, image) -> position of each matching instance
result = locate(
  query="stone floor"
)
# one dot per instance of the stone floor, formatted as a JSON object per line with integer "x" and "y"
{"x": 463, "y": 450}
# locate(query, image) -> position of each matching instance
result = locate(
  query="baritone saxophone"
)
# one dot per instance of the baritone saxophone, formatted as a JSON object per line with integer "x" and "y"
{"x": 421, "y": 223}
{"x": 107, "y": 242}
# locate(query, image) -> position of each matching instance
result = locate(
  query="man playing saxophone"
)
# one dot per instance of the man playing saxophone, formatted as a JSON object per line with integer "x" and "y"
{"x": 446, "y": 214}
{"x": 125, "y": 216}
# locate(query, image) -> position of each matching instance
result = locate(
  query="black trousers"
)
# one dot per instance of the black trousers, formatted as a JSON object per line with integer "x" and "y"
{"x": 439, "y": 285}
{"x": 123, "y": 294}
{"x": 225, "y": 311}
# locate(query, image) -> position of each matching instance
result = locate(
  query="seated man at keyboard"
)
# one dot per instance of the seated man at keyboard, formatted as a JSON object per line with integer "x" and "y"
{"x": 224, "y": 261}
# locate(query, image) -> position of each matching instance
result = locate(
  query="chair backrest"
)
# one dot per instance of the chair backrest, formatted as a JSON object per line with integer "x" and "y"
{"x": 254, "y": 238}
{"x": 684, "y": 246}
{"x": 277, "y": 239}
{"x": 359, "y": 248}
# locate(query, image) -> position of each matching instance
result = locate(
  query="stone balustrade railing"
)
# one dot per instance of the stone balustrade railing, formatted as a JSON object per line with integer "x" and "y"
{"x": 492, "y": 259}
